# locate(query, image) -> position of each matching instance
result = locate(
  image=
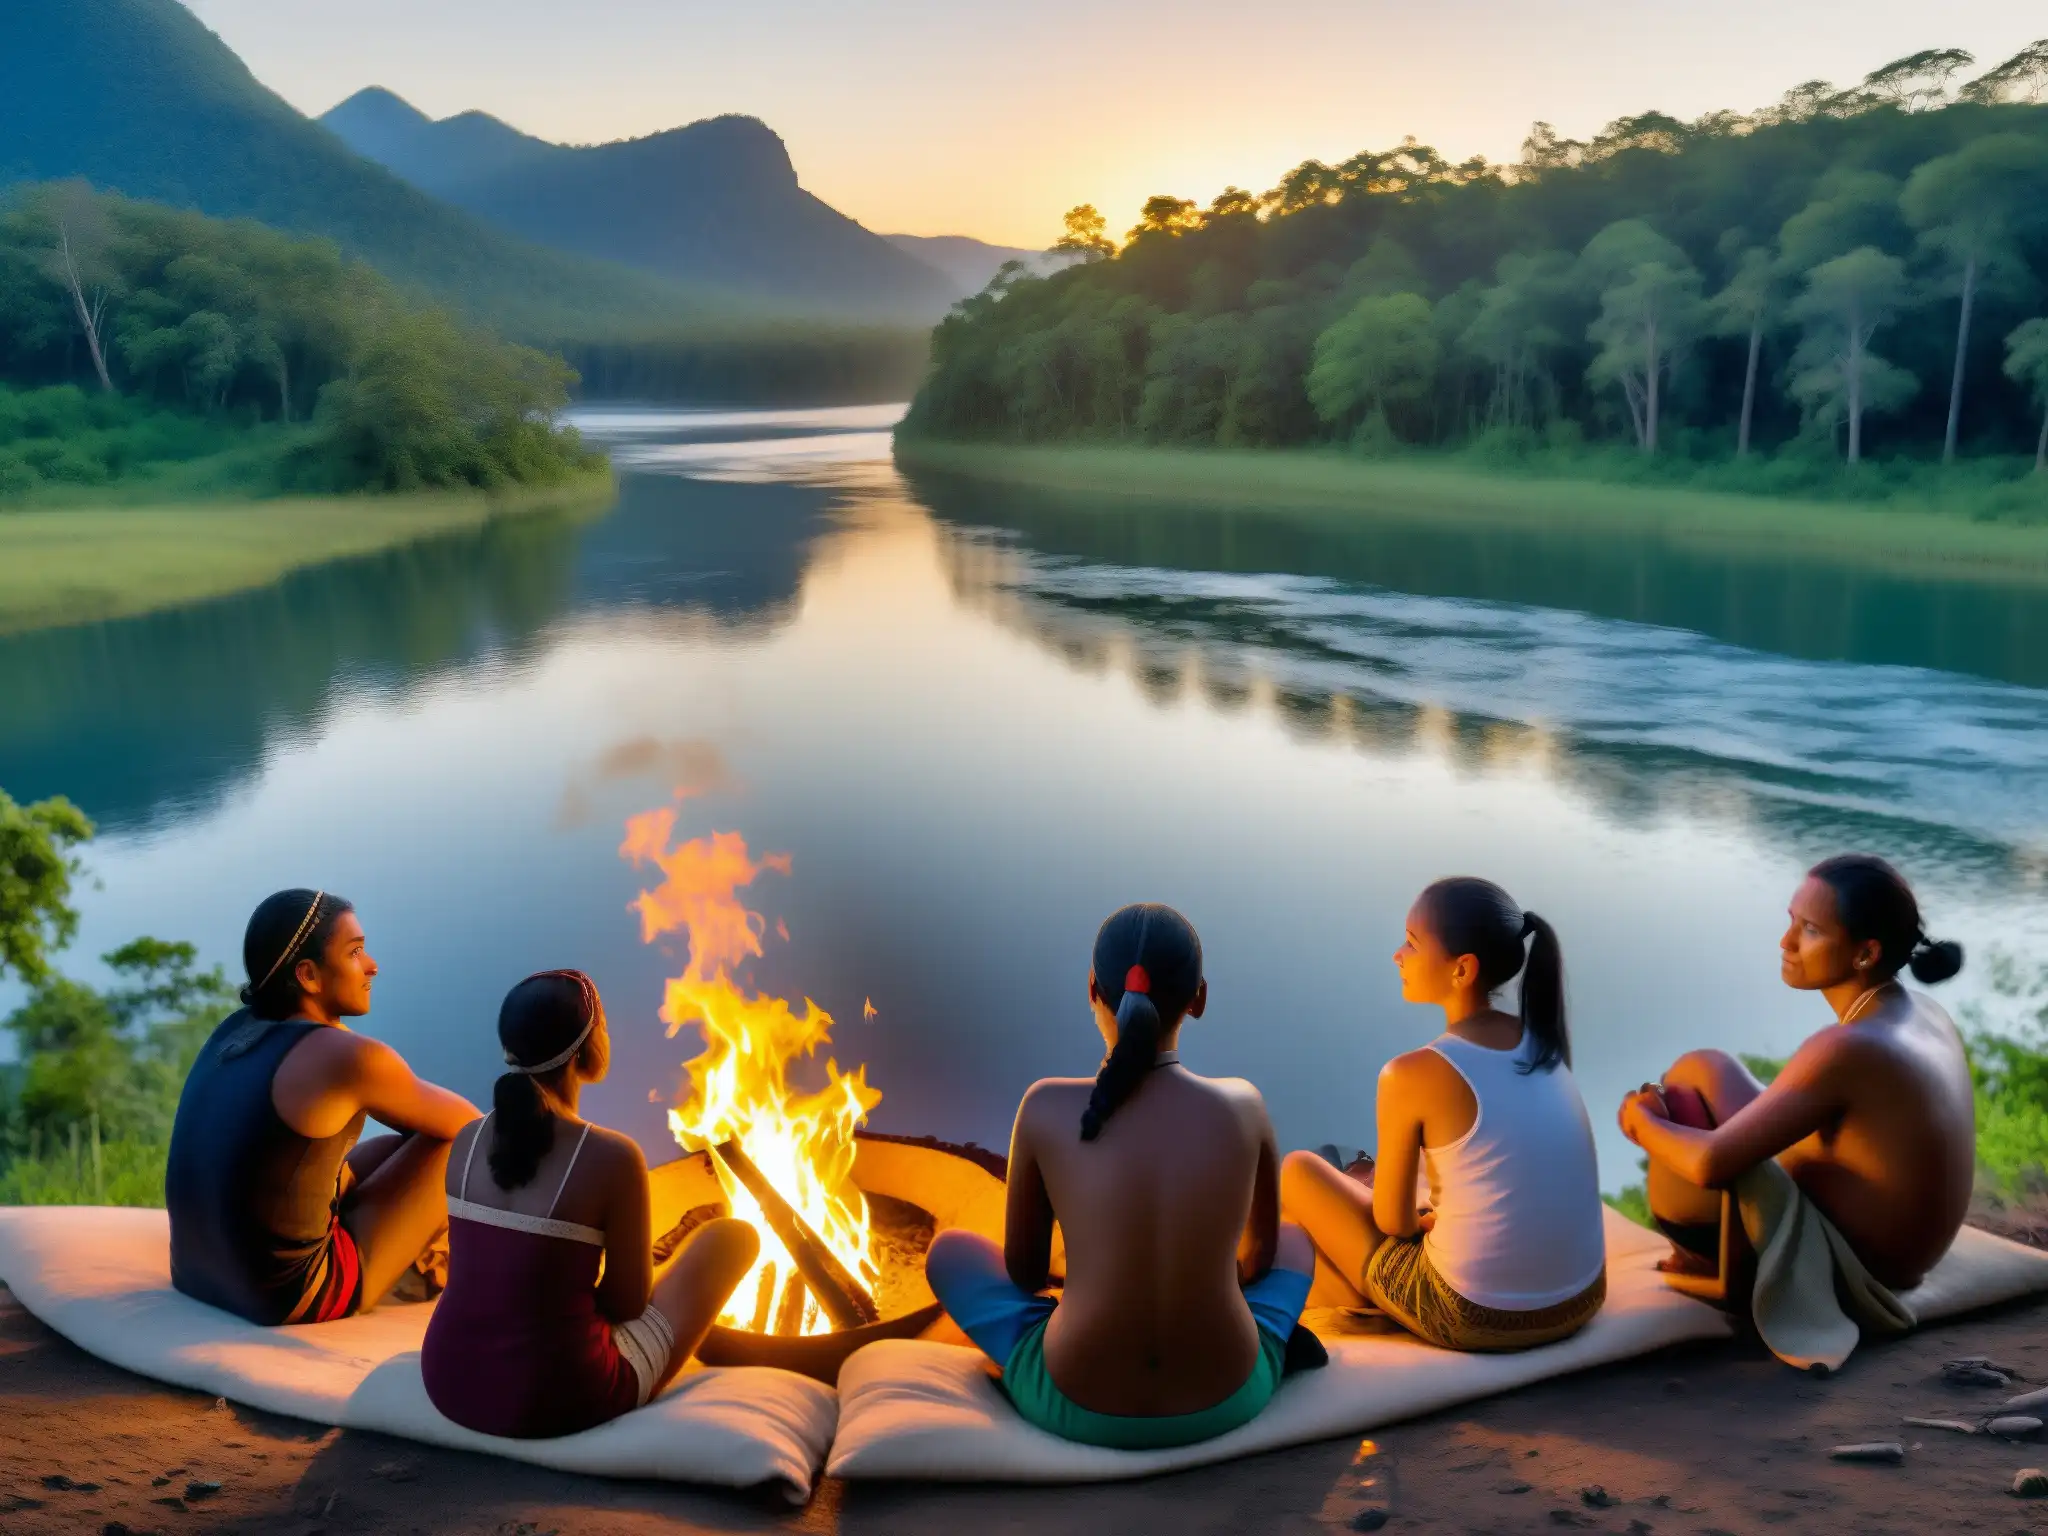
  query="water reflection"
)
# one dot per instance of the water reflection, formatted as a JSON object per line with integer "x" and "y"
{"x": 1788, "y": 605}
{"x": 159, "y": 717}
{"x": 977, "y": 733}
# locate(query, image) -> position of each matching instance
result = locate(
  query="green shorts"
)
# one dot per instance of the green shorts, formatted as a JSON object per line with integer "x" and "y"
{"x": 1031, "y": 1388}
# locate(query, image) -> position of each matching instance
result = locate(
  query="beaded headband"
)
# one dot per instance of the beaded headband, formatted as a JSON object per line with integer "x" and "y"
{"x": 592, "y": 1012}
{"x": 299, "y": 937}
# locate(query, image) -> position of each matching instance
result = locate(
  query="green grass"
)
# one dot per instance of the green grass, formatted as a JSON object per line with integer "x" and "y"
{"x": 126, "y": 1173}
{"x": 1995, "y": 533}
{"x": 100, "y": 559}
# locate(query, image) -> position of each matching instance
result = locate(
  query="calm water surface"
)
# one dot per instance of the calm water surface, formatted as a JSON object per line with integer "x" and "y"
{"x": 978, "y": 721}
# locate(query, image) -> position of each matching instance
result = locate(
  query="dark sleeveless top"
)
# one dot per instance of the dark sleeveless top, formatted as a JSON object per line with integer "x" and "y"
{"x": 517, "y": 1346}
{"x": 253, "y": 1204}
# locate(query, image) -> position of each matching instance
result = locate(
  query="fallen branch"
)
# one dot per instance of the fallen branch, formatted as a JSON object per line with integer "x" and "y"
{"x": 845, "y": 1300}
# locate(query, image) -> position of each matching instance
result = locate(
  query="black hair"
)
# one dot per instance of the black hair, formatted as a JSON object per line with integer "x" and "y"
{"x": 1873, "y": 901}
{"x": 1478, "y": 918}
{"x": 284, "y": 929}
{"x": 1148, "y": 968}
{"x": 548, "y": 1013}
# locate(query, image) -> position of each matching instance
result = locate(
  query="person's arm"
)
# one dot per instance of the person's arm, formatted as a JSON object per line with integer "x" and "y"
{"x": 628, "y": 1278}
{"x": 1261, "y": 1243}
{"x": 332, "y": 1075}
{"x": 1028, "y": 1213}
{"x": 388, "y": 1089}
{"x": 1400, "y": 1152}
{"x": 1805, "y": 1098}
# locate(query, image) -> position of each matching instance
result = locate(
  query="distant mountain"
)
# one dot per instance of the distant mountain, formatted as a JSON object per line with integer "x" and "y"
{"x": 137, "y": 96}
{"x": 716, "y": 203}
{"x": 970, "y": 263}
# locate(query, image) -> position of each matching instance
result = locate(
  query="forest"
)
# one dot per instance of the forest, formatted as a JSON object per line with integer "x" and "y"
{"x": 134, "y": 337}
{"x": 1848, "y": 285}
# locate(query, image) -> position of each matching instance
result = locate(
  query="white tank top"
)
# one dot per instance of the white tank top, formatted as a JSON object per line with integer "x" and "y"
{"x": 1517, "y": 1197}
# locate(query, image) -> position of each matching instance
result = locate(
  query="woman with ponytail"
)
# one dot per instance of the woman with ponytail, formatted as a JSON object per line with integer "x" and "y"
{"x": 1874, "y": 1117}
{"x": 556, "y": 1318}
{"x": 1512, "y": 1253}
{"x": 1182, "y": 1288}
{"x": 278, "y": 1213}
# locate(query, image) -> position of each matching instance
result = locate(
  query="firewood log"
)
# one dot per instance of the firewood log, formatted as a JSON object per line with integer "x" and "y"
{"x": 845, "y": 1300}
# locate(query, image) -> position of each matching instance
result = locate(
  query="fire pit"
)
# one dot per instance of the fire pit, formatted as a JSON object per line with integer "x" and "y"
{"x": 844, "y": 1217}
{"x": 914, "y": 1191}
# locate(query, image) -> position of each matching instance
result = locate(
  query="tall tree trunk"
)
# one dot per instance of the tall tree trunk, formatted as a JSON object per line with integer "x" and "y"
{"x": 1650, "y": 391}
{"x": 88, "y": 316}
{"x": 1756, "y": 342}
{"x": 2041, "y": 445}
{"x": 1955, "y": 388}
{"x": 284, "y": 387}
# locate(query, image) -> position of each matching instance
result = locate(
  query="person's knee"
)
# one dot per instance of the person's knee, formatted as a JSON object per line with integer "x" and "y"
{"x": 1702, "y": 1070}
{"x": 727, "y": 1245}
{"x": 1300, "y": 1171}
{"x": 956, "y": 1252}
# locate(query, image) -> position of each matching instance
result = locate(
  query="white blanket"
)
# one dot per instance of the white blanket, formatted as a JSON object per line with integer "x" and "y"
{"x": 913, "y": 1409}
{"x": 101, "y": 1277}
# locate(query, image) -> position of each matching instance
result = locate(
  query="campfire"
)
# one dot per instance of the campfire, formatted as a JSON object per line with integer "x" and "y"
{"x": 784, "y": 1156}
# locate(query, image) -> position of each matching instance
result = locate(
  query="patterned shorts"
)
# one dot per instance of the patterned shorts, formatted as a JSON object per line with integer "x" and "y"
{"x": 1402, "y": 1282}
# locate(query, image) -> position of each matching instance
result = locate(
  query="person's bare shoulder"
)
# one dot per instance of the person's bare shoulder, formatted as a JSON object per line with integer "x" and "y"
{"x": 616, "y": 1148}
{"x": 1417, "y": 1068}
{"x": 1053, "y": 1098}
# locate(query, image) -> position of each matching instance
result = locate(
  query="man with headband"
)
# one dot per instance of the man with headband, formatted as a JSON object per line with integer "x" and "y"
{"x": 277, "y": 1213}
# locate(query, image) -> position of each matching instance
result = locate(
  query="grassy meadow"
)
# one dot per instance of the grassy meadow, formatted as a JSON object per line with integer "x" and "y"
{"x": 1985, "y": 531}
{"x": 101, "y": 558}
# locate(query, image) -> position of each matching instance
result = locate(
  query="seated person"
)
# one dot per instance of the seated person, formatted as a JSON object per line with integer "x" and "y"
{"x": 277, "y": 1214}
{"x": 1513, "y": 1252}
{"x": 1873, "y": 1118}
{"x": 1182, "y": 1287}
{"x": 555, "y": 1318}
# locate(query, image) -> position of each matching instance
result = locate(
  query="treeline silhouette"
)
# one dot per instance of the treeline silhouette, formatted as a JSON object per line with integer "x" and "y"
{"x": 1847, "y": 272}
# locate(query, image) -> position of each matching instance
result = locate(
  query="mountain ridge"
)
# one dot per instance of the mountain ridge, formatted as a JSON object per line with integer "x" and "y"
{"x": 139, "y": 97}
{"x": 715, "y": 202}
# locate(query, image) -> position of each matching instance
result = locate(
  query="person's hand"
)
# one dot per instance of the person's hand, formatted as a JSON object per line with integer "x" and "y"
{"x": 1425, "y": 1221}
{"x": 1647, "y": 1100}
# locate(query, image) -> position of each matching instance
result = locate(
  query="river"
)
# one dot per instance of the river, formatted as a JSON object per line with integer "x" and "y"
{"x": 979, "y": 721}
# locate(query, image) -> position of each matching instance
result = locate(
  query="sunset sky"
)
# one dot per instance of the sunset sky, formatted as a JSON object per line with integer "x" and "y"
{"x": 938, "y": 118}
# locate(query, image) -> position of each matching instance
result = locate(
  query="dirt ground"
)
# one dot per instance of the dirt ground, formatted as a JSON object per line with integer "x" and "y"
{"x": 1703, "y": 1440}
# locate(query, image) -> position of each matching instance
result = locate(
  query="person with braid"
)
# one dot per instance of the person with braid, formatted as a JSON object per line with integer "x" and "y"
{"x": 556, "y": 1318}
{"x": 278, "y": 1214}
{"x": 1512, "y": 1253}
{"x": 1182, "y": 1286}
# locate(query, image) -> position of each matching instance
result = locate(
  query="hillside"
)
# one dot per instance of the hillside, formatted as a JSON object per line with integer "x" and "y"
{"x": 137, "y": 96}
{"x": 714, "y": 204}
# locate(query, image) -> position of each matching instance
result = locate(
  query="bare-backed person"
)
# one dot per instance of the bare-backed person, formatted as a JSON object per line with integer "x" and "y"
{"x": 1874, "y": 1117}
{"x": 278, "y": 1214}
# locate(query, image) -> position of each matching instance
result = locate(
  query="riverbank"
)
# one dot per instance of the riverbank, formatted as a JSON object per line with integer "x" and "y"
{"x": 76, "y": 564}
{"x": 1699, "y": 1439}
{"x": 1893, "y": 535}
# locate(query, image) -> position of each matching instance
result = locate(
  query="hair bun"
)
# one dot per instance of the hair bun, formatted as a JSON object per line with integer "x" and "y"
{"x": 1935, "y": 960}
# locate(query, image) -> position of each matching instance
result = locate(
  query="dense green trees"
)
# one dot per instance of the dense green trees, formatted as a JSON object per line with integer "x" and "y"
{"x": 97, "y": 1072}
{"x": 236, "y": 326}
{"x": 1808, "y": 278}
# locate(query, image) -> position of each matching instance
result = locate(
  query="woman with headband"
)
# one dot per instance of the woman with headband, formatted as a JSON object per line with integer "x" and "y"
{"x": 555, "y": 1318}
{"x": 1874, "y": 1117}
{"x": 1512, "y": 1253}
{"x": 277, "y": 1213}
{"x": 1182, "y": 1287}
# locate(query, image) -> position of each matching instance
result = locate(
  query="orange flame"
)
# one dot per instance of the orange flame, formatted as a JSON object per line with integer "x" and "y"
{"x": 739, "y": 1086}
